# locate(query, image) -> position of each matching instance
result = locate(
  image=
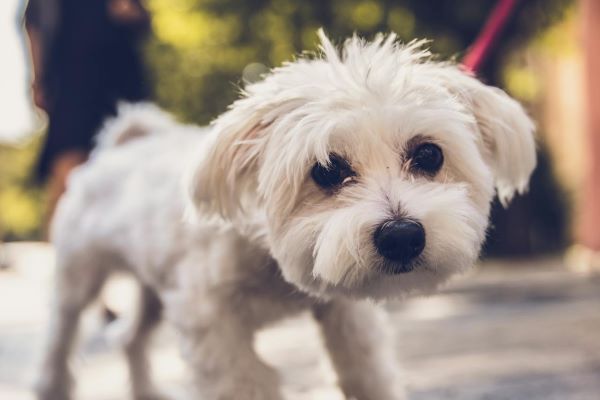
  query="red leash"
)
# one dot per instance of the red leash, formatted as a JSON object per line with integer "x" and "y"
{"x": 479, "y": 51}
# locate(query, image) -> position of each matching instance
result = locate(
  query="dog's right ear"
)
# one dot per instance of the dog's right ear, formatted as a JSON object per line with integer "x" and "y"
{"x": 224, "y": 178}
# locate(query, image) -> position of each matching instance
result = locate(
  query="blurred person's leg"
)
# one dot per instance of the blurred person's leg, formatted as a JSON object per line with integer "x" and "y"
{"x": 587, "y": 254}
{"x": 35, "y": 47}
{"x": 61, "y": 167}
{"x": 3, "y": 256}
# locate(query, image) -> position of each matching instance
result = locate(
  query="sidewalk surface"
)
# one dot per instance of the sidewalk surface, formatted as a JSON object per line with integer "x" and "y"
{"x": 508, "y": 331}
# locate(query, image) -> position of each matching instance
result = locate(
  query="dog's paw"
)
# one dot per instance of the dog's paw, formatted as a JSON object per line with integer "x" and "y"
{"x": 52, "y": 392}
{"x": 53, "y": 387}
{"x": 244, "y": 391}
{"x": 153, "y": 394}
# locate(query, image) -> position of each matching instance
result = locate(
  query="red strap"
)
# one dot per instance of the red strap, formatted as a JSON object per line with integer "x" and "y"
{"x": 497, "y": 20}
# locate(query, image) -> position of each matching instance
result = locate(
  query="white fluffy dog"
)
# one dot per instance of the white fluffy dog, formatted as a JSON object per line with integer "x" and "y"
{"x": 365, "y": 173}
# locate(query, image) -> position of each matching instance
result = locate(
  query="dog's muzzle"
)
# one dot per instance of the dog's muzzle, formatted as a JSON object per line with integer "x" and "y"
{"x": 400, "y": 241}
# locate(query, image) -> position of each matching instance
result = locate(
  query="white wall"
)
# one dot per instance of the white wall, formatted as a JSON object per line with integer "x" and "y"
{"x": 17, "y": 118}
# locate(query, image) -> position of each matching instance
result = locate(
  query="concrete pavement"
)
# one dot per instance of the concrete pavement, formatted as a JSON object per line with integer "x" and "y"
{"x": 507, "y": 331}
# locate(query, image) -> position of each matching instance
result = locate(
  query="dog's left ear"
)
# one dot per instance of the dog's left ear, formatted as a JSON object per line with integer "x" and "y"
{"x": 507, "y": 132}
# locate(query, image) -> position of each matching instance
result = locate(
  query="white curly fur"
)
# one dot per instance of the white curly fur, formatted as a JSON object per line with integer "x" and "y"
{"x": 268, "y": 241}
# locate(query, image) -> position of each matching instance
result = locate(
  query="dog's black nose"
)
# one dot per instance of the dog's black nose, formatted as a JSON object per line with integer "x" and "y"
{"x": 400, "y": 240}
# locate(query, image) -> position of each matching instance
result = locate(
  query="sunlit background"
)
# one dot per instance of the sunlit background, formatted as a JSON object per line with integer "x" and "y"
{"x": 20, "y": 204}
{"x": 201, "y": 52}
{"x": 17, "y": 116}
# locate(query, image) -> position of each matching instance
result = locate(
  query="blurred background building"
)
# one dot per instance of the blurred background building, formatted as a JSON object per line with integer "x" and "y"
{"x": 201, "y": 52}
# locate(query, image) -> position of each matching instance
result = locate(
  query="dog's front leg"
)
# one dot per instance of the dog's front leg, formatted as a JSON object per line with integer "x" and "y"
{"x": 224, "y": 363}
{"x": 361, "y": 350}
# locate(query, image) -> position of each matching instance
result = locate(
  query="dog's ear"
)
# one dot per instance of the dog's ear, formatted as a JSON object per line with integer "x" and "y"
{"x": 507, "y": 132}
{"x": 224, "y": 178}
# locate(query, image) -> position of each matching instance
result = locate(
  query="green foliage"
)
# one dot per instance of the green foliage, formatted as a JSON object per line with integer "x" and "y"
{"x": 20, "y": 202}
{"x": 201, "y": 48}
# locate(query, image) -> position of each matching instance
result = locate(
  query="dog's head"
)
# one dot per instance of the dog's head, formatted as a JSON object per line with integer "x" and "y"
{"x": 374, "y": 169}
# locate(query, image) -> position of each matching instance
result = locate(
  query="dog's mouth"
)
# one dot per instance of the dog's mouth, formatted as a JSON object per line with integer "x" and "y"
{"x": 399, "y": 267}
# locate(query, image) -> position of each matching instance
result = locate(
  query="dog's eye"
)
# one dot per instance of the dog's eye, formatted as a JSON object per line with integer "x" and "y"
{"x": 428, "y": 158}
{"x": 336, "y": 173}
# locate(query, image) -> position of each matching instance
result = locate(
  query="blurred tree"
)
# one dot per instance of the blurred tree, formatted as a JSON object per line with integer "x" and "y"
{"x": 20, "y": 202}
{"x": 201, "y": 47}
{"x": 204, "y": 49}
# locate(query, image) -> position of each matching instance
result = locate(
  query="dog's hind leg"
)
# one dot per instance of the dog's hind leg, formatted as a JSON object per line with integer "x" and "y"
{"x": 147, "y": 318}
{"x": 78, "y": 281}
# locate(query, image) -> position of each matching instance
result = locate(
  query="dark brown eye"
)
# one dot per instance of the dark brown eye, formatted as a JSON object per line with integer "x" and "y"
{"x": 332, "y": 175}
{"x": 427, "y": 158}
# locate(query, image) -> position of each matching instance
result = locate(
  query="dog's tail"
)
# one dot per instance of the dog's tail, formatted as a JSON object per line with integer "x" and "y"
{"x": 133, "y": 121}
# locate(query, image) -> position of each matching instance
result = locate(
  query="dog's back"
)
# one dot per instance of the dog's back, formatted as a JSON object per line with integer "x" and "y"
{"x": 125, "y": 205}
